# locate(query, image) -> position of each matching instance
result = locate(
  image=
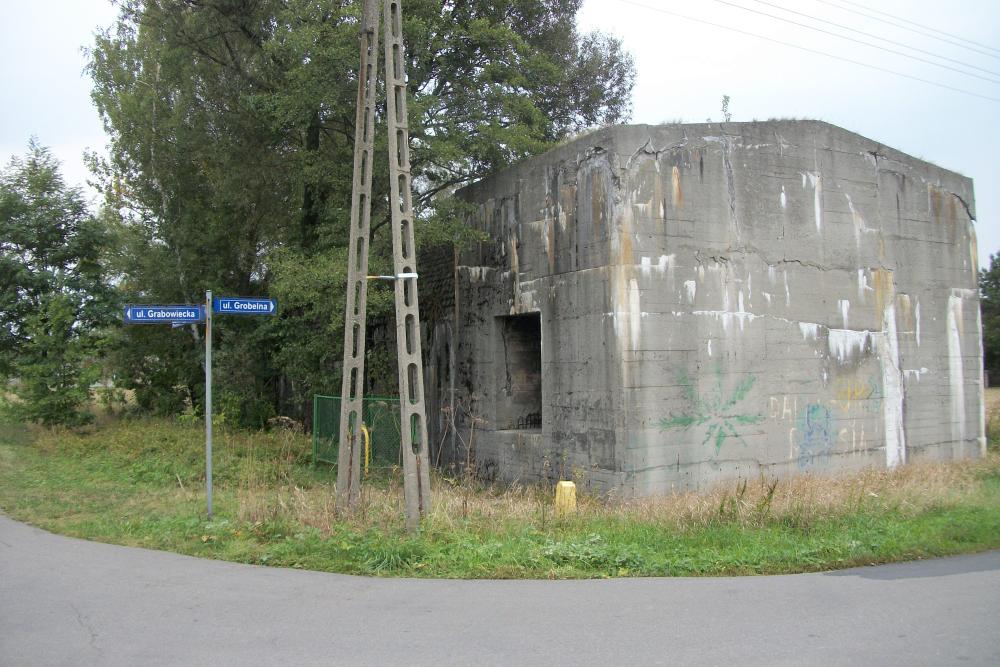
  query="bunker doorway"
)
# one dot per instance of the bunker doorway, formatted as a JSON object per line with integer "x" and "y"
{"x": 519, "y": 372}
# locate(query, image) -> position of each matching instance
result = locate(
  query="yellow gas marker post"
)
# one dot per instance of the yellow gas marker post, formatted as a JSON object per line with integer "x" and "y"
{"x": 565, "y": 498}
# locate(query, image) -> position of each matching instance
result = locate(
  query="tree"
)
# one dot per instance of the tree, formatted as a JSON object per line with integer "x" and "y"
{"x": 989, "y": 290}
{"x": 54, "y": 298}
{"x": 232, "y": 133}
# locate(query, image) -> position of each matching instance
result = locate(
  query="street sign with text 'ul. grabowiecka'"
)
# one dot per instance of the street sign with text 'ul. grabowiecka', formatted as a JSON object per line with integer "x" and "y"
{"x": 164, "y": 314}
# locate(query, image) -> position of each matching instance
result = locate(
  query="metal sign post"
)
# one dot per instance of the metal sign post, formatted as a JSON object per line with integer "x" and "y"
{"x": 208, "y": 401}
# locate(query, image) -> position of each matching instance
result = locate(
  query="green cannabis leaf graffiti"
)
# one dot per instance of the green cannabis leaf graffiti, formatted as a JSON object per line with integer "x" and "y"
{"x": 716, "y": 410}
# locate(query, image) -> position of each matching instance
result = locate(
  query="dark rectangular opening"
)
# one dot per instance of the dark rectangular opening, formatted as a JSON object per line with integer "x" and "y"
{"x": 519, "y": 372}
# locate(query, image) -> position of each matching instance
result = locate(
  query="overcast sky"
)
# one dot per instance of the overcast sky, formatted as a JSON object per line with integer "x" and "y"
{"x": 684, "y": 69}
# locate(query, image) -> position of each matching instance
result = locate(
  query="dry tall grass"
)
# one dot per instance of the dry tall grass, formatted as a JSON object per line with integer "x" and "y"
{"x": 267, "y": 491}
{"x": 801, "y": 500}
{"x": 993, "y": 413}
{"x": 808, "y": 498}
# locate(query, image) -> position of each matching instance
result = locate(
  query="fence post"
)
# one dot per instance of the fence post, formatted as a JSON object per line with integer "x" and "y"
{"x": 315, "y": 417}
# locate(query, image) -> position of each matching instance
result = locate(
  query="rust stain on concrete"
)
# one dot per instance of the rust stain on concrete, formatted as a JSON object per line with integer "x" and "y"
{"x": 675, "y": 179}
{"x": 885, "y": 289}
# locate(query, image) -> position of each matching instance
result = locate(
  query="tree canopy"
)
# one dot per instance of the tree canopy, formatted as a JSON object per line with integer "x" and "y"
{"x": 54, "y": 294}
{"x": 989, "y": 290}
{"x": 231, "y": 126}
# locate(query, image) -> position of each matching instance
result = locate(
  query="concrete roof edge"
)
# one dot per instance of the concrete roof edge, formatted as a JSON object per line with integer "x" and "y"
{"x": 604, "y": 137}
{"x": 621, "y": 139}
{"x": 721, "y": 126}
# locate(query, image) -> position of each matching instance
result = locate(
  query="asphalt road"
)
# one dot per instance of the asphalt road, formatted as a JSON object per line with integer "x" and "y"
{"x": 65, "y": 601}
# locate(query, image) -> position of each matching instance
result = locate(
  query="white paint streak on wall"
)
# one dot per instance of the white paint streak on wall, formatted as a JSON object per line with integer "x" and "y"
{"x": 916, "y": 315}
{"x": 845, "y": 343}
{"x": 767, "y": 297}
{"x": 709, "y": 347}
{"x": 956, "y": 374}
{"x": 647, "y": 265}
{"x": 635, "y": 312}
{"x": 724, "y": 286}
{"x": 892, "y": 389}
{"x": 477, "y": 274}
{"x": 862, "y": 284}
{"x": 727, "y": 317}
{"x": 810, "y": 331}
{"x": 741, "y": 311}
{"x": 618, "y": 323}
{"x": 859, "y": 222}
{"x": 667, "y": 264}
{"x": 911, "y": 373}
{"x": 982, "y": 385}
{"x": 691, "y": 287}
{"x": 816, "y": 181}
{"x": 784, "y": 199}
{"x": 788, "y": 294}
{"x": 973, "y": 247}
{"x": 845, "y": 307}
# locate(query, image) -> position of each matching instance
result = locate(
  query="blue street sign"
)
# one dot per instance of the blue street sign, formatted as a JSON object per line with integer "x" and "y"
{"x": 164, "y": 314}
{"x": 244, "y": 306}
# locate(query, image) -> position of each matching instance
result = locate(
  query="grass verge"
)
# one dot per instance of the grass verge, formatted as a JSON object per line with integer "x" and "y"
{"x": 140, "y": 483}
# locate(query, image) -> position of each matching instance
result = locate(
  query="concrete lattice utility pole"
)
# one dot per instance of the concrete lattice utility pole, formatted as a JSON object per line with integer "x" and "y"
{"x": 413, "y": 421}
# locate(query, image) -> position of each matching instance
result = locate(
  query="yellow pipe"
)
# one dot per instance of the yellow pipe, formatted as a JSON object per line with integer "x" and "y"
{"x": 368, "y": 447}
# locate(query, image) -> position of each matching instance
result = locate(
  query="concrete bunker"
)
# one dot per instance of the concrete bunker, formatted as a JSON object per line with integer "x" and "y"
{"x": 670, "y": 307}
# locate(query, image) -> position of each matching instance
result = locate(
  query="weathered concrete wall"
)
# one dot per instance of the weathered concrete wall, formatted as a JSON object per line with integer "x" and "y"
{"x": 718, "y": 302}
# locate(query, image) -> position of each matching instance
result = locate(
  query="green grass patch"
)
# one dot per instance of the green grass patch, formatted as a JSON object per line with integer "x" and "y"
{"x": 141, "y": 483}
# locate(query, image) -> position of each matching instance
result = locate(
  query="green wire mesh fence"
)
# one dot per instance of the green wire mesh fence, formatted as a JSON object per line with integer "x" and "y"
{"x": 380, "y": 433}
